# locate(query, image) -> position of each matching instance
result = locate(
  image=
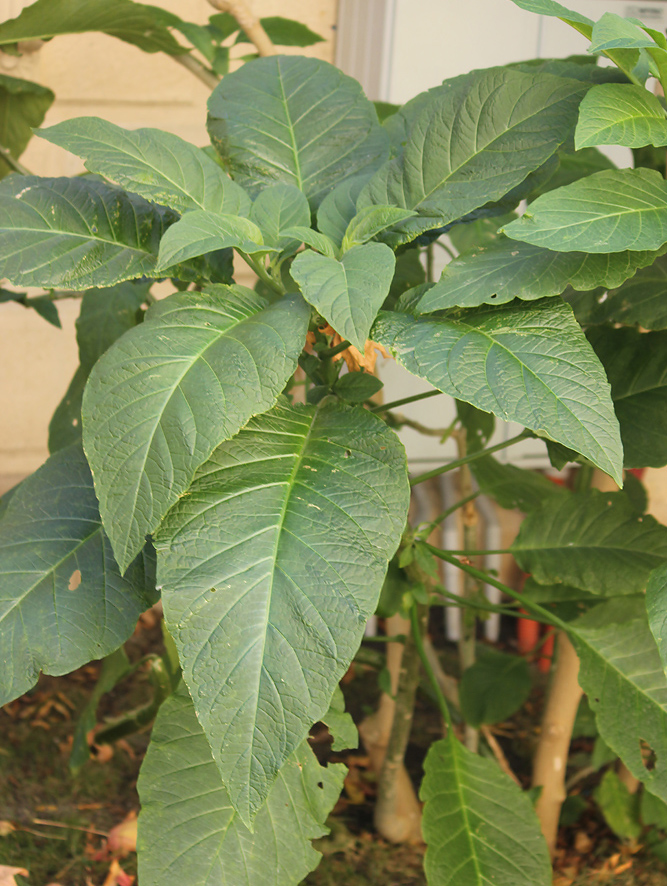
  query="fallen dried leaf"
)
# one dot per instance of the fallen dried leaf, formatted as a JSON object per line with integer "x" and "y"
{"x": 6, "y": 828}
{"x": 123, "y": 838}
{"x": 7, "y": 875}
{"x": 117, "y": 876}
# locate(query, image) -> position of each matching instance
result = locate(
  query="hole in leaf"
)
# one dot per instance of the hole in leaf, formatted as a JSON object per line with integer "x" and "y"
{"x": 74, "y": 580}
{"x": 347, "y": 453}
{"x": 494, "y": 295}
{"x": 649, "y": 756}
{"x": 320, "y": 785}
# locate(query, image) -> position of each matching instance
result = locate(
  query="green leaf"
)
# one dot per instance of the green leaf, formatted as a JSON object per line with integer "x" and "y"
{"x": 369, "y": 222}
{"x": 479, "y": 827}
{"x": 528, "y": 363}
{"x": 114, "y": 667}
{"x": 622, "y": 675}
{"x": 22, "y": 107}
{"x": 494, "y": 687}
{"x": 512, "y": 487}
{"x": 144, "y": 26}
{"x": 62, "y": 599}
{"x": 287, "y": 32}
{"x": 514, "y": 122}
{"x": 169, "y": 391}
{"x": 576, "y": 165}
{"x": 619, "y": 807}
{"x": 188, "y": 829}
{"x": 270, "y": 568}
{"x": 157, "y": 165}
{"x": 75, "y": 232}
{"x": 357, "y": 387}
{"x": 595, "y": 541}
{"x": 620, "y": 114}
{"x": 200, "y": 232}
{"x": 481, "y": 232}
{"x": 506, "y": 269}
{"x": 616, "y": 32}
{"x": 609, "y": 211}
{"x": 638, "y": 302}
{"x": 105, "y": 315}
{"x": 347, "y": 293}
{"x": 319, "y": 242}
{"x": 295, "y": 120}
{"x": 656, "y": 607}
{"x": 550, "y": 7}
{"x": 278, "y": 208}
{"x": 339, "y": 207}
{"x": 340, "y": 724}
{"x": 636, "y": 366}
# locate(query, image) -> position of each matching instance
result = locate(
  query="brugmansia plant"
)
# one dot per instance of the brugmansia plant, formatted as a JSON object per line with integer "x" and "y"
{"x": 184, "y": 466}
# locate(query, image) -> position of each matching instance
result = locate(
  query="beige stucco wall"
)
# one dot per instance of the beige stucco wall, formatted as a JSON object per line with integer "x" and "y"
{"x": 93, "y": 74}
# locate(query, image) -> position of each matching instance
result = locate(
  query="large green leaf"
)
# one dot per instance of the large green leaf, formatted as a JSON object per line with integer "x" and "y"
{"x": 505, "y": 270}
{"x": 188, "y": 829}
{"x": 636, "y": 366}
{"x": 270, "y": 568}
{"x": 620, "y": 114}
{"x": 528, "y": 363}
{"x": 75, "y": 232}
{"x": 62, "y": 599}
{"x": 623, "y": 677}
{"x": 608, "y": 211}
{"x": 471, "y": 141}
{"x": 348, "y": 293}
{"x": 479, "y": 827}
{"x": 169, "y": 391}
{"x": 656, "y": 607}
{"x": 144, "y": 26}
{"x": 157, "y": 165}
{"x": 638, "y": 302}
{"x": 295, "y": 120}
{"x": 105, "y": 315}
{"x": 594, "y": 541}
{"x": 22, "y": 107}
{"x": 200, "y": 231}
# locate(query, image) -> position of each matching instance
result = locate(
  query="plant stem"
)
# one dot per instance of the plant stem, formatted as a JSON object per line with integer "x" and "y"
{"x": 385, "y": 407}
{"x": 482, "y": 553}
{"x": 192, "y": 64}
{"x": 261, "y": 272}
{"x": 453, "y": 465}
{"x": 441, "y": 517}
{"x": 444, "y": 246}
{"x": 468, "y": 639}
{"x": 430, "y": 263}
{"x": 545, "y": 616}
{"x": 249, "y": 23}
{"x": 550, "y": 763}
{"x": 417, "y": 634}
{"x": 507, "y": 609}
{"x": 396, "y": 814}
{"x": 398, "y": 421}
{"x": 13, "y": 163}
